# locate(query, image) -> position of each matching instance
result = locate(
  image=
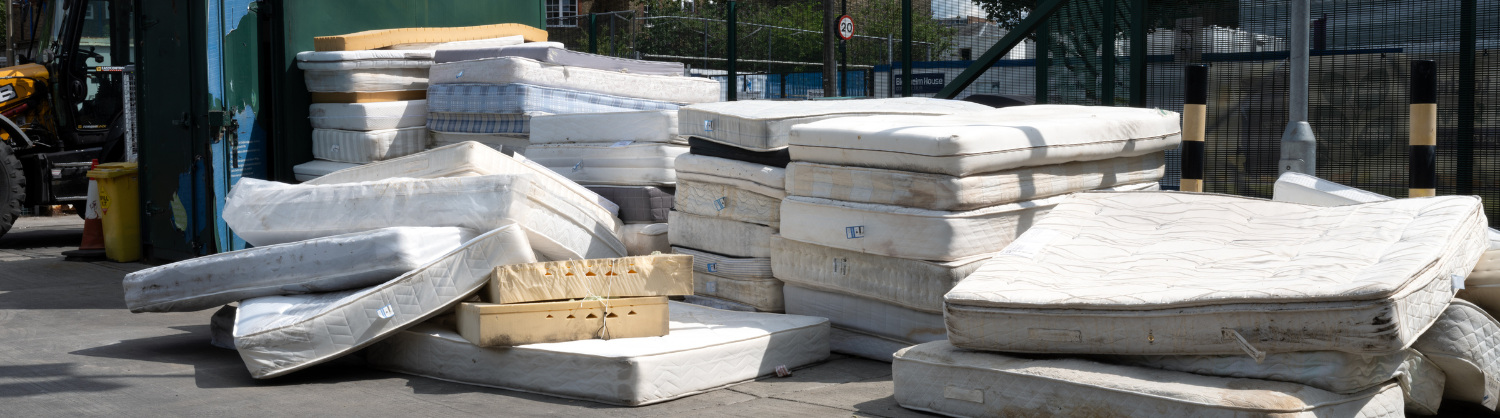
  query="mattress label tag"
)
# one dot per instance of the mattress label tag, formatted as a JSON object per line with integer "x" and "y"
{"x": 578, "y": 167}
{"x": 1055, "y": 335}
{"x": 1458, "y": 281}
{"x": 708, "y": 126}
{"x": 961, "y": 394}
{"x": 852, "y": 232}
{"x": 1030, "y": 243}
{"x": 841, "y": 266}
{"x": 1491, "y": 392}
{"x": 721, "y": 203}
{"x": 334, "y": 148}
{"x": 713, "y": 267}
{"x": 386, "y": 312}
{"x": 713, "y": 287}
{"x": 621, "y": 144}
{"x": 460, "y": 75}
{"x": 781, "y": 371}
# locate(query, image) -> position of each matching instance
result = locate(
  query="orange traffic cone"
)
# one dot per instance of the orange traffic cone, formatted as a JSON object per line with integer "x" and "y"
{"x": 93, "y": 227}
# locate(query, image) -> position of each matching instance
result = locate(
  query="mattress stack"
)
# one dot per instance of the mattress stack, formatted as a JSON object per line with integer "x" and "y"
{"x": 885, "y": 214}
{"x": 1191, "y": 304}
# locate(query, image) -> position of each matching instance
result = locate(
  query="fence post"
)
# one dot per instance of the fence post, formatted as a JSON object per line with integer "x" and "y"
{"x": 1194, "y": 119}
{"x": 1423, "y": 163}
{"x": 1043, "y": 48}
{"x": 593, "y": 35}
{"x": 843, "y": 54}
{"x": 1468, "y": 40}
{"x": 890, "y": 65}
{"x": 1107, "y": 64}
{"x": 1139, "y": 55}
{"x": 734, "y": 85}
{"x": 905, "y": 48}
{"x": 783, "y": 86}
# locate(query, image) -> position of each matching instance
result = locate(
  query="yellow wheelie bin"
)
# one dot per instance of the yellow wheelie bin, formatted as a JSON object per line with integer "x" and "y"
{"x": 119, "y": 185}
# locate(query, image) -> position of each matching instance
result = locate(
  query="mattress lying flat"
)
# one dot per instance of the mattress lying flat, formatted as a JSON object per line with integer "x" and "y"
{"x": 639, "y": 126}
{"x": 735, "y": 239}
{"x": 763, "y": 294}
{"x": 358, "y": 60}
{"x": 944, "y": 192}
{"x": 726, "y": 266}
{"x": 221, "y": 327}
{"x": 914, "y": 284}
{"x": 556, "y": 55}
{"x": 704, "y": 147}
{"x": 276, "y": 335}
{"x": 727, "y": 202}
{"x": 938, "y": 377}
{"x": 620, "y": 164}
{"x": 340, "y": 262}
{"x": 499, "y": 42}
{"x": 639, "y": 204}
{"x": 365, "y": 80}
{"x": 911, "y": 233}
{"x": 756, "y": 178}
{"x": 1465, "y": 343}
{"x": 1193, "y": 273}
{"x": 763, "y": 125}
{"x": 645, "y": 239}
{"x": 707, "y": 349}
{"x": 516, "y": 124}
{"x": 865, "y": 315}
{"x": 318, "y": 168}
{"x": 380, "y": 38}
{"x": 984, "y": 142}
{"x": 368, "y": 116}
{"x": 526, "y": 98}
{"x": 508, "y": 70}
{"x": 505, "y": 143}
{"x": 367, "y": 146}
{"x": 864, "y": 345}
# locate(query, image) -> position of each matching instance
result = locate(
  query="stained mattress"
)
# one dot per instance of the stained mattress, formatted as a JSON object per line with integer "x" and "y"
{"x": 707, "y": 349}
{"x": 619, "y": 164}
{"x": 638, "y": 126}
{"x": 527, "y": 98}
{"x": 508, "y": 70}
{"x": 938, "y": 377}
{"x": 993, "y": 140}
{"x": 865, "y": 315}
{"x": 276, "y": 335}
{"x": 1465, "y": 343}
{"x": 348, "y": 261}
{"x": 367, "y": 146}
{"x": 735, "y": 239}
{"x": 639, "y": 204}
{"x": 549, "y": 53}
{"x": 764, "y": 125}
{"x": 1192, "y": 273}
{"x": 645, "y": 239}
{"x": 755, "y": 178}
{"x": 364, "y": 71}
{"x": 368, "y": 116}
{"x": 318, "y": 168}
{"x": 913, "y": 284}
{"x": 704, "y": 147}
{"x": 727, "y": 202}
{"x": 506, "y": 143}
{"x": 911, "y": 233}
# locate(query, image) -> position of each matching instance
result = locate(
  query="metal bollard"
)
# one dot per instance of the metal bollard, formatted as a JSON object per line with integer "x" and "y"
{"x": 1423, "y": 163}
{"x": 1194, "y": 121}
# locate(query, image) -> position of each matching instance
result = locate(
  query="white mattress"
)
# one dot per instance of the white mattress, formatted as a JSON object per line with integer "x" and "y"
{"x": 1194, "y": 273}
{"x": 746, "y": 281}
{"x": 266, "y": 213}
{"x": 938, "y": 377}
{"x": 637, "y": 126}
{"x": 508, "y": 70}
{"x": 1465, "y": 343}
{"x": 913, "y": 284}
{"x": 340, "y": 262}
{"x": 864, "y": 345}
{"x": 368, "y": 116}
{"x": 277, "y": 335}
{"x": 994, "y": 140}
{"x": 644, "y": 239}
{"x": 367, "y": 146}
{"x": 505, "y": 143}
{"x": 555, "y": 54}
{"x": 726, "y": 266}
{"x": 731, "y": 238}
{"x": 502, "y": 41}
{"x": 318, "y": 168}
{"x": 356, "y": 60}
{"x": 747, "y": 176}
{"x": 365, "y": 80}
{"x": 763, "y": 125}
{"x": 865, "y": 315}
{"x": 1482, "y": 287}
{"x": 619, "y": 164}
{"x": 945, "y": 192}
{"x": 221, "y": 327}
{"x": 707, "y": 349}
{"x": 911, "y": 233}
{"x": 727, "y": 202}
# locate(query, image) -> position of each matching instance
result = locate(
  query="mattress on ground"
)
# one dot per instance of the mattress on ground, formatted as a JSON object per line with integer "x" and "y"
{"x": 764, "y": 125}
{"x": 725, "y": 201}
{"x": 276, "y": 335}
{"x": 764, "y": 294}
{"x": 339, "y": 262}
{"x": 645, "y": 239}
{"x": 945, "y": 192}
{"x": 367, "y": 146}
{"x": 380, "y": 38}
{"x": 509, "y": 144}
{"x": 707, "y": 349}
{"x": 938, "y": 377}
{"x": 527, "y": 98}
{"x": 639, "y": 204}
{"x": 731, "y": 238}
{"x": 618, "y": 164}
{"x": 1194, "y": 273}
{"x": 221, "y": 327}
{"x": 557, "y": 55}
{"x": 911, "y": 233}
{"x": 508, "y": 70}
{"x": 993, "y": 140}
{"x": 726, "y": 266}
{"x": 318, "y": 168}
{"x": 717, "y": 303}
{"x": 266, "y": 213}
{"x": 1465, "y": 343}
{"x": 865, "y": 315}
{"x": 637, "y": 126}
{"x": 704, "y": 147}
{"x": 748, "y": 176}
{"x": 368, "y": 116}
{"x": 913, "y": 284}
{"x": 515, "y": 124}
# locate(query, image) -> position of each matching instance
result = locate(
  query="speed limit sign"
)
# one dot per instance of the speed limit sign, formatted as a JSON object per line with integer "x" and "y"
{"x": 846, "y": 27}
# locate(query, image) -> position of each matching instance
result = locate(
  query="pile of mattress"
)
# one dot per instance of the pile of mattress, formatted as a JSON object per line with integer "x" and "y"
{"x": 883, "y": 215}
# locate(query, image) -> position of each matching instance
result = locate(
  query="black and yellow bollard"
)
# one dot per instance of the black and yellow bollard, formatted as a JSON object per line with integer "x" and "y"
{"x": 1423, "y": 163}
{"x": 1194, "y": 119}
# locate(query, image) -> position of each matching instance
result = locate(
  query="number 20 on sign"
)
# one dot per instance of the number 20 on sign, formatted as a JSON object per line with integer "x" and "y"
{"x": 846, "y": 27}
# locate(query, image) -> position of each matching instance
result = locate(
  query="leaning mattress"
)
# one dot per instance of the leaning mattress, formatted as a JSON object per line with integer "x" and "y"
{"x": 318, "y": 168}
{"x": 636, "y": 126}
{"x": 276, "y": 335}
{"x": 732, "y": 238}
{"x": 527, "y": 98}
{"x": 508, "y": 70}
{"x": 368, "y": 116}
{"x": 364, "y": 71}
{"x": 752, "y": 177}
{"x": 865, "y": 315}
{"x": 706, "y": 349}
{"x": 547, "y": 53}
{"x": 1465, "y": 343}
{"x": 994, "y": 140}
{"x": 913, "y": 284}
{"x": 911, "y": 233}
{"x": 619, "y": 164}
{"x": 764, "y": 125}
{"x": 639, "y": 204}
{"x": 1193, "y": 273}
{"x": 938, "y": 377}
{"x": 367, "y": 146}
{"x": 339, "y": 262}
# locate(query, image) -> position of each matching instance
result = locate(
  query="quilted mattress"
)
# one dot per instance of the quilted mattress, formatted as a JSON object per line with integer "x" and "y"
{"x": 735, "y": 239}
{"x": 707, "y": 349}
{"x": 911, "y": 233}
{"x": 727, "y": 202}
{"x": 505, "y": 143}
{"x": 340, "y": 262}
{"x": 527, "y": 98}
{"x": 644, "y": 239}
{"x": 364, "y": 71}
{"x": 553, "y": 54}
{"x": 743, "y": 280}
{"x": 637, "y": 126}
{"x": 755, "y": 178}
{"x": 513, "y": 124}
{"x": 913, "y": 284}
{"x": 1465, "y": 343}
{"x": 368, "y": 116}
{"x": 865, "y": 315}
{"x": 938, "y": 377}
{"x": 984, "y": 142}
{"x": 276, "y": 335}
{"x": 367, "y": 146}
{"x": 619, "y": 164}
{"x": 508, "y": 70}
{"x": 1193, "y": 273}
{"x": 763, "y": 125}
{"x": 945, "y": 192}
{"x": 778, "y": 159}
{"x": 318, "y": 168}
{"x": 639, "y": 204}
